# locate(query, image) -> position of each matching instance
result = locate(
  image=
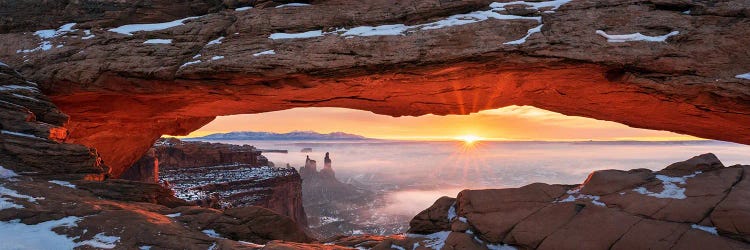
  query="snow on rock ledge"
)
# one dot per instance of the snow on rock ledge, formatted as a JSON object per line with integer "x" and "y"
{"x": 635, "y": 37}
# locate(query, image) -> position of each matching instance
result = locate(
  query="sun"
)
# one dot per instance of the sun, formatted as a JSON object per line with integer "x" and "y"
{"x": 469, "y": 139}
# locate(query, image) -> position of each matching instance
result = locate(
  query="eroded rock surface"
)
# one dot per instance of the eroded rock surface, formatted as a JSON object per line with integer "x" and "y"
{"x": 612, "y": 210}
{"x": 32, "y": 134}
{"x": 132, "y": 84}
{"x": 87, "y": 220}
{"x": 219, "y": 175}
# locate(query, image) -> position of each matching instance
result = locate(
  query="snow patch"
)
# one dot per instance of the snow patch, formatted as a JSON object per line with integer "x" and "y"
{"x": 144, "y": 248}
{"x": 211, "y": 233}
{"x": 251, "y": 244}
{"x": 711, "y": 230}
{"x": 13, "y": 193}
{"x": 6, "y": 132}
{"x": 452, "y": 212}
{"x": 397, "y": 247}
{"x": 214, "y": 58}
{"x": 46, "y": 35}
{"x": 309, "y": 34}
{"x": 131, "y": 28}
{"x": 174, "y": 215}
{"x": 574, "y": 195}
{"x": 87, "y": 34}
{"x": 435, "y": 240}
{"x": 745, "y": 76}
{"x": 158, "y": 41}
{"x": 635, "y": 37}
{"x": 17, "y": 87}
{"x": 7, "y": 173}
{"x": 243, "y": 8}
{"x": 16, "y": 235}
{"x": 63, "y": 183}
{"x": 267, "y": 52}
{"x": 382, "y": 30}
{"x": 500, "y": 247}
{"x": 292, "y": 5}
{"x": 454, "y": 20}
{"x": 215, "y": 41}
{"x": 670, "y": 188}
{"x": 536, "y": 29}
{"x": 190, "y": 63}
{"x": 101, "y": 240}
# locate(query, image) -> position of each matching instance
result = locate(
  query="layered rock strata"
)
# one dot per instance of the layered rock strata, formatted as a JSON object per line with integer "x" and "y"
{"x": 219, "y": 175}
{"x": 32, "y": 134}
{"x": 688, "y": 205}
{"x": 646, "y": 64}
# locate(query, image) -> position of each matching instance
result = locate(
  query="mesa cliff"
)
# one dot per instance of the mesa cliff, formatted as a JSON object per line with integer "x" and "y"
{"x": 646, "y": 64}
{"x": 221, "y": 176}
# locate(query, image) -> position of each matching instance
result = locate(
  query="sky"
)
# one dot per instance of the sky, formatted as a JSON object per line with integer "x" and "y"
{"x": 508, "y": 123}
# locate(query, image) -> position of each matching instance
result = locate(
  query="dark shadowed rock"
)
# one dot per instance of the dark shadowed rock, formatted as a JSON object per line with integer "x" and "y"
{"x": 145, "y": 169}
{"x": 252, "y": 224}
{"x": 124, "y": 190}
{"x": 433, "y": 219}
{"x": 32, "y": 134}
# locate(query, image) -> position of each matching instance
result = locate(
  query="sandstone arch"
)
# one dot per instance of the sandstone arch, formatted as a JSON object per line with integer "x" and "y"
{"x": 122, "y": 91}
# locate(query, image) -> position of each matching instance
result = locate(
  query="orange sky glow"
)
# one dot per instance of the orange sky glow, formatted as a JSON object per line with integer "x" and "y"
{"x": 508, "y": 123}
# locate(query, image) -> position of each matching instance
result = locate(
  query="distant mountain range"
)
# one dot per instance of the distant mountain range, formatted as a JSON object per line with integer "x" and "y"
{"x": 295, "y": 135}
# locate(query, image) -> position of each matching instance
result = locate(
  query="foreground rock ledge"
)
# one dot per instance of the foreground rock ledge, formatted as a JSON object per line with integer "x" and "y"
{"x": 124, "y": 90}
{"x": 695, "y": 204}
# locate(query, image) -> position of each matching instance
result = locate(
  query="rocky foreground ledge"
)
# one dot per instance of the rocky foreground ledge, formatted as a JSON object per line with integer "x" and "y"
{"x": 695, "y": 204}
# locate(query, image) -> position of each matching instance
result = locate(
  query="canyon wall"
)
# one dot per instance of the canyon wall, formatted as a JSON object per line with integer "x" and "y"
{"x": 219, "y": 175}
{"x": 667, "y": 65}
{"x": 32, "y": 135}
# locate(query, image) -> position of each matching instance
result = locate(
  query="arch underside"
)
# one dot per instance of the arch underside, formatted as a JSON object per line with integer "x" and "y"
{"x": 122, "y": 92}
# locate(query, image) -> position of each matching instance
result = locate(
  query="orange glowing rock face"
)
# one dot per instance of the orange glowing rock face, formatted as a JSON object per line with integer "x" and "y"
{"x": 123, "y": 125}
{"x": 58, "y": 134}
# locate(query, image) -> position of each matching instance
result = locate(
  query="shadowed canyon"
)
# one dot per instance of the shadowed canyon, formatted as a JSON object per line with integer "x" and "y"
{"x": 88, "y": 87}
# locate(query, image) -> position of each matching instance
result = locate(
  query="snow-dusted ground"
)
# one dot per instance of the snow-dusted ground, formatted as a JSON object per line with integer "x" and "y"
{"x": 215, "y": 41}
{"x": 574, "y": 194}
{"x": 132, "y": 28}
{"x": 21, "y": 134}
{"x": 7, "y": 173}
{"x": 63, "y": 183}
{"x": 17, "y": 235}
{"x": 187, "y": 182}
{"x": 711, "y": 230}
{"x": 292, "y": 5}
{"x": 453, "y": 20}
{"x": 671, "y": 190}
{"x": 158, "y": 41}
{"x": 635, "y": 37}
{"x": 267, "y": 52}
{"x": 211, "y": 233}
